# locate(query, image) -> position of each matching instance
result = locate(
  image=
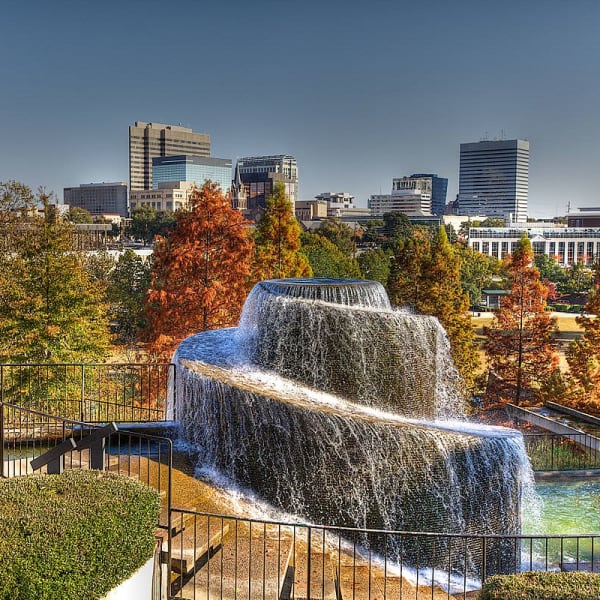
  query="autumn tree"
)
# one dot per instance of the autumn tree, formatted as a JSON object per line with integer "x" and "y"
{"x": 277, "y": 241}
{"x": 520, "y": 341}
{"x": 583, "y": 355}
{"x": 445, "y": 299}
{"x": 326, "y": 259}
{"x": 50, "y": 308}
{"x": 200, "y": 272}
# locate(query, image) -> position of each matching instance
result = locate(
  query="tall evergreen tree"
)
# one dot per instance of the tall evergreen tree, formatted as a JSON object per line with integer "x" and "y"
{"x": 444, "y": 298}
{"x": 406, "y": 278}
{"x": 200, "y": 273}
{"x": 50, "y": 308}
{"x": 277, "y": 241}
{"x": 520, "y": 341}
{"x": 129, "y": 283}
{"x": 425, "y": 276}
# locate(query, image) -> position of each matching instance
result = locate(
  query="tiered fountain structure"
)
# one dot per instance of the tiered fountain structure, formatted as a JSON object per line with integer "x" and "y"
{"x": 333, "y": 406}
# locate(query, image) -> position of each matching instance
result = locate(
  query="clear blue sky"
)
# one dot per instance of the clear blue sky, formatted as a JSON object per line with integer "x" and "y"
{"x": 359, "y": 92}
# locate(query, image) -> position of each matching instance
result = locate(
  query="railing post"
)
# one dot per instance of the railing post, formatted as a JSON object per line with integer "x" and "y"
{"x": 81, "y": 398}
{"x": 173, "y": 368}
{"x": 308, "y": 562}
{"x": 484, "y": 559}
{"x": 2, "y": 419}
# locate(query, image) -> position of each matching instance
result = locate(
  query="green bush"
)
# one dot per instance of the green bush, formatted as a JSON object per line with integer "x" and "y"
{"x": 536, "y": 585}
{"x": 75, "y": 535}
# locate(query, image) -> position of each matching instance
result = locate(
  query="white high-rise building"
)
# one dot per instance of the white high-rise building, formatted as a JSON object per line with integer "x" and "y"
{"x": 494, "y": 179}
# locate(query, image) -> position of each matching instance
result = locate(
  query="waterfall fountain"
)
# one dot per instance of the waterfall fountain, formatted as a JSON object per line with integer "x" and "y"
{"x": 333, "y": 406}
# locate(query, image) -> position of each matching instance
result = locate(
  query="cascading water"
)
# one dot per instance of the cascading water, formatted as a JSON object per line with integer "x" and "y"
{"x": 335, "y": 407}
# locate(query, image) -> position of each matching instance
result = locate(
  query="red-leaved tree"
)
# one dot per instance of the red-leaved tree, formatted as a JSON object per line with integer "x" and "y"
{"x": 520, "y": 341}
{"x": 200, "y": 273}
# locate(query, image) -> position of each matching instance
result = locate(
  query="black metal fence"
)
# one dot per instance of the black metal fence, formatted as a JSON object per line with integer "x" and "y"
{"x": 555, "y": 452}
{"x": 225, "y": 557}
{"x": 27, "y": 435}
{"x": 91, "y": 393}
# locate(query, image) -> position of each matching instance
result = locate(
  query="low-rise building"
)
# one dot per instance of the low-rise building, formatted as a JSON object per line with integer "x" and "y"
{"x": 310, "y": 210}
{"x": 568, "y": 245}
{"x": 99, "y": 198}
{"x": 170, "y": 196}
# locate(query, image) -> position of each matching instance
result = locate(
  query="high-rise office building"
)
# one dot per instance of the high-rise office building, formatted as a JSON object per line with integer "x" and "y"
{"x": 259, "y": 174}
{"x": 99, "y": 198}
{"x": 494, "y": 179}
{"x": 191, "y": 168}
{"x": 151, "y": 140}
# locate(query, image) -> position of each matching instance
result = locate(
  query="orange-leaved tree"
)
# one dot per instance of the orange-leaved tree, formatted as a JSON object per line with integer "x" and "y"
{"x": 583, "y": 355}
{"x": 200, "y": 272}
{"x": 277, "y": 239}
{"x": 520, "y": 342}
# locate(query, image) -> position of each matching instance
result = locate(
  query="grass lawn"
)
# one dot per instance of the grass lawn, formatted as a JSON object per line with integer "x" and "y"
{"x": 568, "y": 330}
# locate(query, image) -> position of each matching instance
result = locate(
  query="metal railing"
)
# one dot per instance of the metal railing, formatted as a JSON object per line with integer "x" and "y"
{"x": 224, "y": 556}
{"x": 227, "y": 557}
{"x": 91, "y": 393}
{"x": 556, "y": 452}
{"x": 28, "y": 434}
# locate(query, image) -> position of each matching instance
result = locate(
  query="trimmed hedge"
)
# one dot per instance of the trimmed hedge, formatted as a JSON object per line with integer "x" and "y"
{"x": 537, "y": 585}
{"x": 73, "y": 536}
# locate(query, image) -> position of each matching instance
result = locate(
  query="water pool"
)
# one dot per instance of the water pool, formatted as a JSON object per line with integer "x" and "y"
{"x": 567, "y": 507}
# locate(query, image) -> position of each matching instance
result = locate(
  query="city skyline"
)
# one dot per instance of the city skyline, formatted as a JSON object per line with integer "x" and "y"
{"x": 358, "y": 93}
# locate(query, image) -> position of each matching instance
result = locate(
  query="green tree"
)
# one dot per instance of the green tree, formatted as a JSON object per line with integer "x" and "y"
{"x": 549, "y": 269}
{"x": 373, "y": 231}
{"x": 326, "y": 259}
{"x": 50, "y": 309}
{"x": 476, "y": 272}
{"x": 99, "y": 265}
{"x": 375, "y": 265}
{"x": 147, "y": 223}
{"x": 79, "y": 215}
{"x": 129, "y": 283}
{"x": 200, "y": 271}
{"x": 340, "y": 234}
{"x": 277, "y": 240}
{"x": 493, "y": 222}
{"x": 579, "y": 279}
{"x": 397, "y": 226}
{"x": 520, "y": 342}
{"x": 406, "y": 279}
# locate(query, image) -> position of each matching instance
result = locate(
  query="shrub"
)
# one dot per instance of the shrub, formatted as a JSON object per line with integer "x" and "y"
{"x": 75, "y": 535}
{"x": 549, "y": 586}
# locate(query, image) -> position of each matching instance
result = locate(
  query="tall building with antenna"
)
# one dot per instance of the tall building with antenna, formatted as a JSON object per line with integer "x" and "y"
{"x": 494, "y": 179}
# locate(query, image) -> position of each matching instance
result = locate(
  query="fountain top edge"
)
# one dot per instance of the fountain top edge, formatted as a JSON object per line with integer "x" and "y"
{"x": 319, "y": 282}
{"x": 349, "y": 292}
